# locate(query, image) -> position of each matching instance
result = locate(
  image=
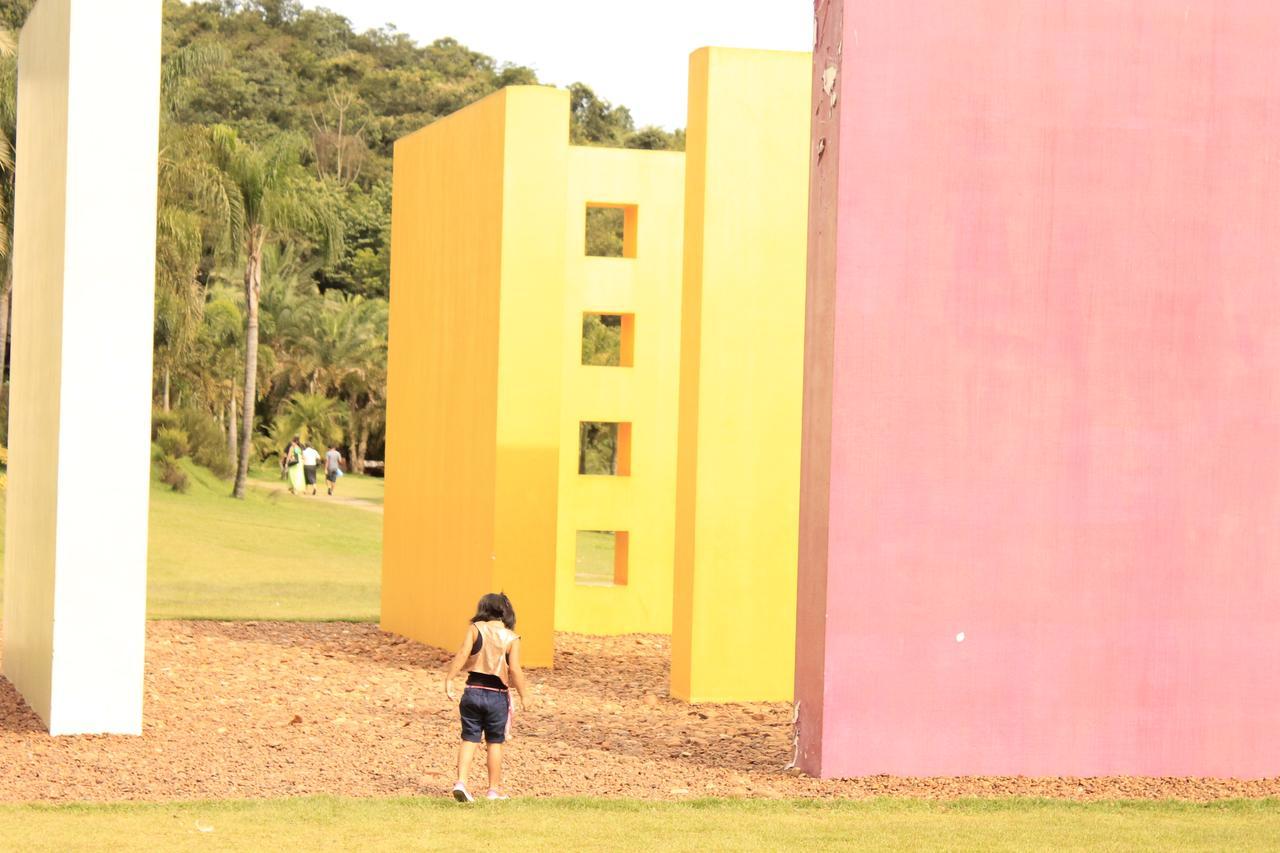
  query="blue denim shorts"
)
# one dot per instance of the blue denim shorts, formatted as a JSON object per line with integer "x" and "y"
{"x": 487, "y": 711}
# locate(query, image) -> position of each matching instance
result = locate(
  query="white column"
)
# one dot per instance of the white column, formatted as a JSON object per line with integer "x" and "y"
{"x": 80, "y": 399}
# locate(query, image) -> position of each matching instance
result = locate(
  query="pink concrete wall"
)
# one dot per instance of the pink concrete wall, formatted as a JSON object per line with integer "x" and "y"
{"x": 1044, "y": 367}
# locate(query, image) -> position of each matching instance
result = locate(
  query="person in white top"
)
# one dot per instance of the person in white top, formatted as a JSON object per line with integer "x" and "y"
{"x": 310, "y": 463}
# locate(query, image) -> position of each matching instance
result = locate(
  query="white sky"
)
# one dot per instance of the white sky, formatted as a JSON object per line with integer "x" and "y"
{"x": 633, "y": 53}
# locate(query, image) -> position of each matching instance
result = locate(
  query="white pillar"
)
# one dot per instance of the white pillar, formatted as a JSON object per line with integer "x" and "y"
{"x": 80, "y": 399}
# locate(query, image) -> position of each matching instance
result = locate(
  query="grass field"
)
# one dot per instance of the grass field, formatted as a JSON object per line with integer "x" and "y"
{"x": 593, "y": 562}
{"x": 368, "y": 489}
{"x": 436, "y": 824}
{"x": 271, "y": 556}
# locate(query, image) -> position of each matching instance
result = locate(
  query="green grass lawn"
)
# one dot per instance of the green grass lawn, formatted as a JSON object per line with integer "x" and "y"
{"x": 438, "y": 824}
{"x": 271, "y": 556}
{"x": 360, "y": 487}
{"x": 593, "y": 561}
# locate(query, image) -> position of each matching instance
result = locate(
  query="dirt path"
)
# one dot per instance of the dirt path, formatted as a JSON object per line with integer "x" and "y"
{"x": 279, "y": 488}
{"x": 249, "y": 709}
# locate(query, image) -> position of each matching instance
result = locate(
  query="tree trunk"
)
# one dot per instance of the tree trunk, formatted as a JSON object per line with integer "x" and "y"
{"x": 353, "y": 432}
{"x": 231, "y": 430}
{"x": 362, "y": 449}
{"x": 252, "y": 291}
{"x": 6, "y": 297}
{"x": 166, "y": 387}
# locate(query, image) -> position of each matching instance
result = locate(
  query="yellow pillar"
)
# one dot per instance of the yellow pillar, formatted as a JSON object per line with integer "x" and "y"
{"x": 737, "y": 495}
{"x": 473, "y": 420}
{"x": 643, "y": 286}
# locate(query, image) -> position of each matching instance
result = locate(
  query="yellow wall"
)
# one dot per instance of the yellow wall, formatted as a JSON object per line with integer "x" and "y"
{"x": 490, "y": 281}
{"x": 647, "y": 286}
{"x": 529, "y": 375}
{"x": 737, "y": 498}
{"x": 474, "y": 388}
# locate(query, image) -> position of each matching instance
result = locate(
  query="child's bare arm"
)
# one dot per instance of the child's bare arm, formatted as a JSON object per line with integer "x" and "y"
{"x": 455, "y": 666}
{"x": 517, "y": 675}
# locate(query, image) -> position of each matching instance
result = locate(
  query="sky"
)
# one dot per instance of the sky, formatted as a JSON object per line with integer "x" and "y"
{"x": 634, "y": 53}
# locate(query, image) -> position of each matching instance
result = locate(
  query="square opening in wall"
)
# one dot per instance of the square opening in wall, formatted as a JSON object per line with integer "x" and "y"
{"x": 604, "y": 449}
{"x": 608, "y": 340}
{"x": 611, "y": 230}
{"x": 601, "y": 558}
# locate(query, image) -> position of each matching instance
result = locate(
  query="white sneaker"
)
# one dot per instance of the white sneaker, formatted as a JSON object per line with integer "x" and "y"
{"x": 494, "y": 795}
{"x": 461, "y": 794}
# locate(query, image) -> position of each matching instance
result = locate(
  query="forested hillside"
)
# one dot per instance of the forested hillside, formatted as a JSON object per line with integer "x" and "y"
{"x": 275, "y": 195}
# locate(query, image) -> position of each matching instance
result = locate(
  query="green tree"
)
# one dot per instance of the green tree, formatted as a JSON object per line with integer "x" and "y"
{"x": 276, "y": 199}
{"x": 601, "y": 340}
{"x": 216, "y": 354}
{"x": 13, "y": 13}
{"x": 595, "y": 121}
{"x": 193, "y": 207}
{"x": 314, "y": 418}
{"x": 655, "y": 139}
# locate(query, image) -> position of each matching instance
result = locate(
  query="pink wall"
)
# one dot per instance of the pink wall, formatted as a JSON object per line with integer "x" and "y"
{"x": 1044, "y": 366}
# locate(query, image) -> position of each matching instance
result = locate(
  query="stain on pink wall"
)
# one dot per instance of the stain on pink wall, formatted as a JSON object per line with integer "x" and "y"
{"x": 1044, "y": 367}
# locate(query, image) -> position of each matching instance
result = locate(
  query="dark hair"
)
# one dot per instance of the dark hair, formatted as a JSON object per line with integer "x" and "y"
{"x": 496, "y": 606}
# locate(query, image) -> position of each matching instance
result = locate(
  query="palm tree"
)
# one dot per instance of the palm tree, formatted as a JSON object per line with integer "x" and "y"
{"x": 362, "y": 373}
{"x": 218, "y": 345}
{"x": 276, "y": 199}
{"x": 194, "y": 204}
{"x": 313, "y": 417}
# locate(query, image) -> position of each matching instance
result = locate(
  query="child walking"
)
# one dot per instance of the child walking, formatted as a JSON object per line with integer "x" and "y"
{"x": 490, "y": 653}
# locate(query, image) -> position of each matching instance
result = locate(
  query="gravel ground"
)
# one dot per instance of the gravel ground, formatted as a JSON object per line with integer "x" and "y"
{"x": 258, "y": 709}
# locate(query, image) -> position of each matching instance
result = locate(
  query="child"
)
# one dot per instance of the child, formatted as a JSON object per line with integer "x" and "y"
{"x": 491, "y": 654}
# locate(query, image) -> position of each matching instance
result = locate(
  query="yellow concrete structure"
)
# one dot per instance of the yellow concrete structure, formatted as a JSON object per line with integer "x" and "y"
{"x": 487, "y": 387}
{"x": 75, "y": 578}
{"x": 643, "y": 286}
{"x": 473, "y": 417}
{"x": 490, "y": 284}
{"x": 742, "y": 353}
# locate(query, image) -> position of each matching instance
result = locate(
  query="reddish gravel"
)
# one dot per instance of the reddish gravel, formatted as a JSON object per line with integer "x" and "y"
{"x": 279, "y": 709}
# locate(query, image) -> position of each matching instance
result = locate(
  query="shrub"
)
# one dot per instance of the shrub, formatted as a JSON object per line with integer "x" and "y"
{"x": 207, "y": 440}
{"x": 265, "y": 448}
{"x": 174, "y": 442}
{"x": 160, "y": 419}
{"x": 173, "y": 476}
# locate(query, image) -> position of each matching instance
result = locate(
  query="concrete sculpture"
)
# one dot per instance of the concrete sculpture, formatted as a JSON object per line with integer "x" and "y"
{"x": 84, "y": 272}
{"x": 1038, "y": 528}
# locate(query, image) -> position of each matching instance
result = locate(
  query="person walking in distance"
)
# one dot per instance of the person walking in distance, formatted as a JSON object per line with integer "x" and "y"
{"x": 490, "y": 653}
{"x": 292, "y": 465}
{"x": 310, "y": 464}
{"x": 332, "y": 467}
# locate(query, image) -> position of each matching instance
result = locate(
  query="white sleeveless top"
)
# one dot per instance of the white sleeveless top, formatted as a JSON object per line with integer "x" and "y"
{"x": 496, "y": 640}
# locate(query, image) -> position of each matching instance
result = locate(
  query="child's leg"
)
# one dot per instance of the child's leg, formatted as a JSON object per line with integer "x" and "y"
{"x": 495, "y": 766}
{"x": 466, "y": 752}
